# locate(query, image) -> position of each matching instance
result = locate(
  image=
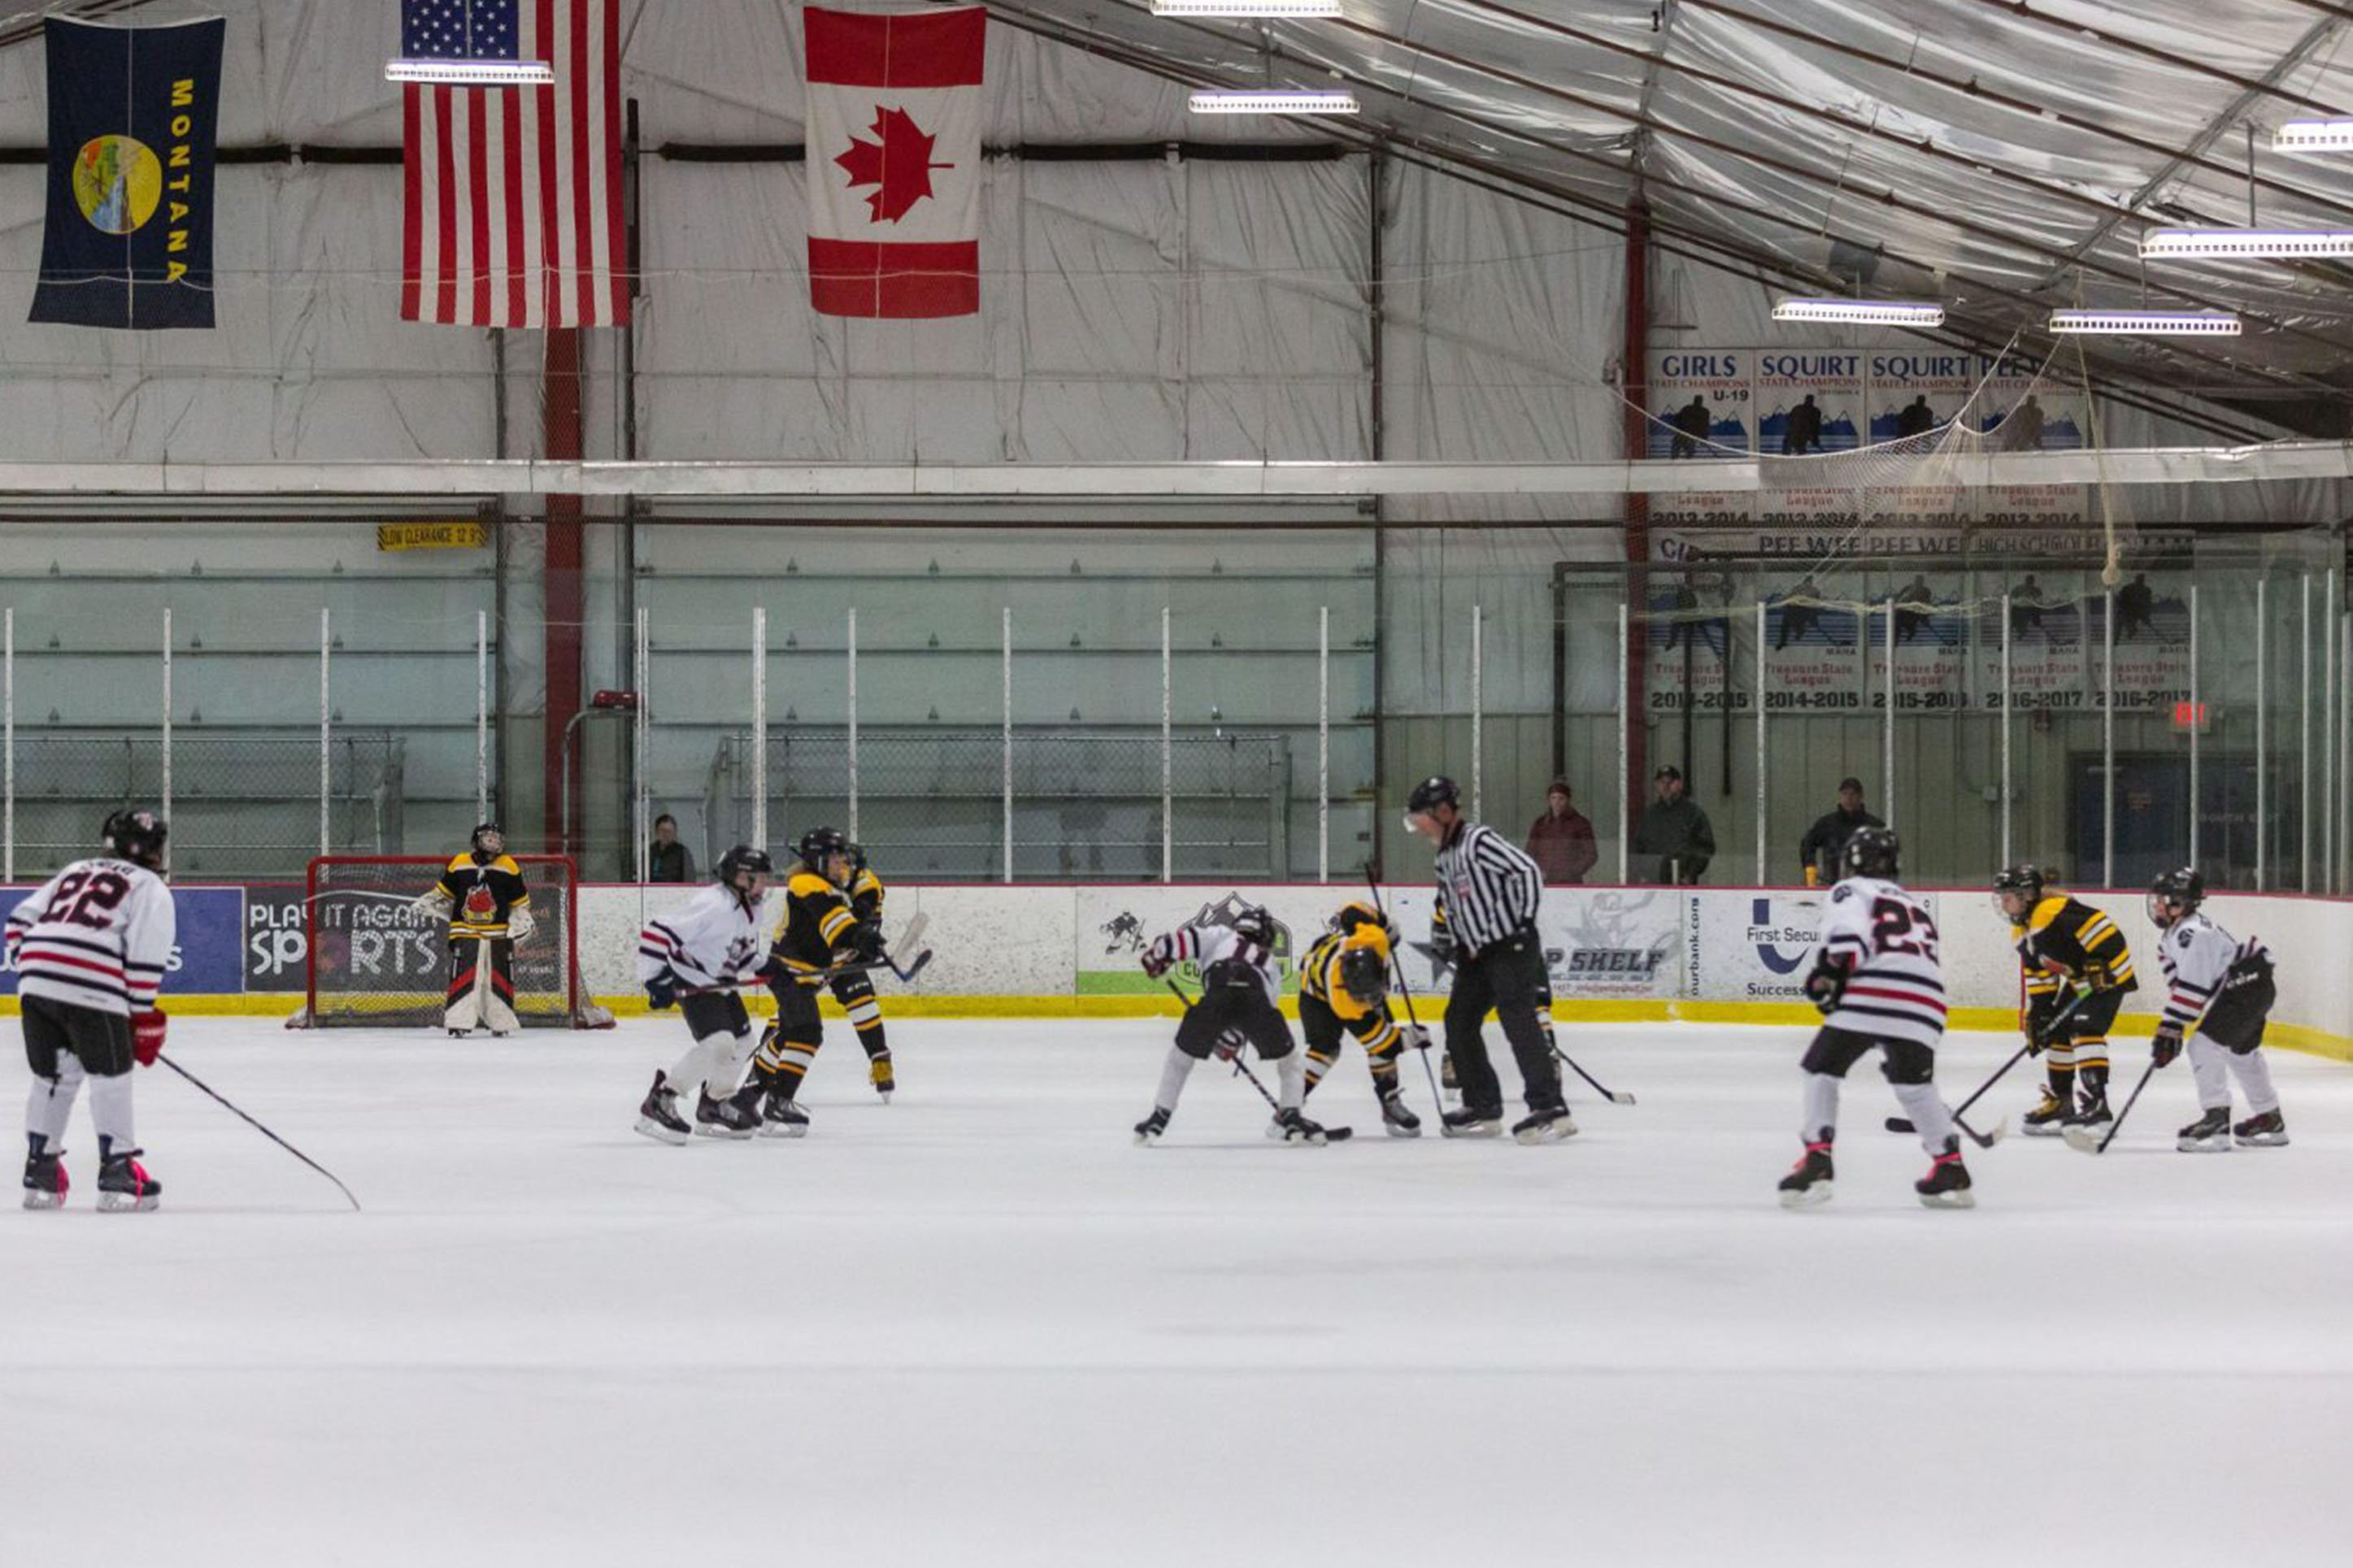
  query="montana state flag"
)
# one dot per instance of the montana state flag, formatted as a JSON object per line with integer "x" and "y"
{"x": 129, "y": 241}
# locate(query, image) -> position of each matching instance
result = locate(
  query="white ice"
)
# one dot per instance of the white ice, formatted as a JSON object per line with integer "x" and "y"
{"x": 978, "y": 1326}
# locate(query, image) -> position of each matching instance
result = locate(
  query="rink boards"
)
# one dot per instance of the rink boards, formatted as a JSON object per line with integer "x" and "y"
{"x": 1706, "y": 954}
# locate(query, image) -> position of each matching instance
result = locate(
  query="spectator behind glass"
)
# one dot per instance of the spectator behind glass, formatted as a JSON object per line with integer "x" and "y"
{"x": 668, "y": 861}
{"x": 1561, "y": 842}
{"x": 1674, "y": 841}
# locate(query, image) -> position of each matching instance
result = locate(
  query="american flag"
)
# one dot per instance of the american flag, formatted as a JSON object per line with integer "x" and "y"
{"x": 512, "y": 201}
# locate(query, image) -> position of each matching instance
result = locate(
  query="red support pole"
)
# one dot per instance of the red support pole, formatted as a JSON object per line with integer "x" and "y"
{"x": 565, "y": 601}
{"x": 1635, "y": 385}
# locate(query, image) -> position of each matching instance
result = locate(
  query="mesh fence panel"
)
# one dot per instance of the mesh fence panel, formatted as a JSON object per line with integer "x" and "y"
{"x": 1086, "y": 805}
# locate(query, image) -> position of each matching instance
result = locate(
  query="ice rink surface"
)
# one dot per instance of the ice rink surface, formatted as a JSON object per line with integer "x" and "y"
{"x": 978, "y": 1326}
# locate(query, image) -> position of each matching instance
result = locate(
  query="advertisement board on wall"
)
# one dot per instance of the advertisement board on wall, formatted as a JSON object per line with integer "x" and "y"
{"x": 204, "y": 960}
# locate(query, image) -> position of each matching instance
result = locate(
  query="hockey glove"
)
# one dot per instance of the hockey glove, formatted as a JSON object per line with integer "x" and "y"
{"x": 1412, "y": 1037}
{"x": 867, "y": 943}
{"x": 520, "y": 925}
{"x": 661, "y": 992}
{"x": 1229, "y": 1045}
{"x": 1825, "y": 984}
{"x": 147, "y": 1035}
{"x": 2166, "y": 1047}
{"x": 1157, "y": 960}
{"x": 432, "y": 903}
{"x": 771, "y": 973}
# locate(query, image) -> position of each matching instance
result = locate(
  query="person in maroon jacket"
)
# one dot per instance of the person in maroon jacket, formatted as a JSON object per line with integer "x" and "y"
{"x": 1561, "y": 842}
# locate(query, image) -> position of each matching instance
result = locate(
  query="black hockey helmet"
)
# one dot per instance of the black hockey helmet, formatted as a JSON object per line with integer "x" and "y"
{"x": 820, "y": 845}
{"x": 1363, "y": 976}
{"x": 1252, "y": 923}
{"x": 2175, "y": 894}
{"x": 136, "y": 835}
{"x": 494, "y": 831}
{"x": 740, "y": 860}
{"x": 1432, "y": 793}
{"x": 1358, "y": 914}
{"x": 2025, "y": 879}
{"x": 857, "y": 853}
{"x": 1871, "y": 852}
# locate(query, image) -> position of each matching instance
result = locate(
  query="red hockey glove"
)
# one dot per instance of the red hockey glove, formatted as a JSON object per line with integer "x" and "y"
{"x": 147, "y": 1035}
{"x": 2166, "y": 1047}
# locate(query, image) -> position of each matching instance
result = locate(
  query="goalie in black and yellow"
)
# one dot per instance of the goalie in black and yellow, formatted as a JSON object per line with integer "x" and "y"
{"x": 2078, "y": 971}
{"x": 1343, "y": 987}
{"x": 818, "y": 933}
{"x": 482, "y": 897}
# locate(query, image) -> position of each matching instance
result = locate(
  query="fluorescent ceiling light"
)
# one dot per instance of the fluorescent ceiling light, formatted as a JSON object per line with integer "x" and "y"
{"x": 1245, "y": 8}
{"x": 1872, "y": 312}
{"x": 1282, "y": 103}
{"x": 2166, "y": 323}
{"x": 2282, "y": 244}
{"x": 472, "y": 73}
{"x": 2313, "y": 136}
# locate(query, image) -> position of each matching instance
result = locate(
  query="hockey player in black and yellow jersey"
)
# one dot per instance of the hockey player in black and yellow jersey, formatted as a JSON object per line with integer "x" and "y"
{"x": 817, "y": 930}
{"x": 1344, "y": 988}
{"x": 855, "y": 992}
{"x": 2078, "y": 970}
{"x": 482, "y": 896}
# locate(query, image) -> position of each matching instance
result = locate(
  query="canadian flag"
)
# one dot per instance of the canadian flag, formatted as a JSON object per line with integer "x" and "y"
{"x": 893, "y": 137}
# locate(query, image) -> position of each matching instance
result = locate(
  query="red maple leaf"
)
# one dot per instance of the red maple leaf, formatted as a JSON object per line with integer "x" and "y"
{"x": 898, "y": 164}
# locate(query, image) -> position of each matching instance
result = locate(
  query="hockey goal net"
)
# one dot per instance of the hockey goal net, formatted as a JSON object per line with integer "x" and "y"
{"x": 377, "y": 961}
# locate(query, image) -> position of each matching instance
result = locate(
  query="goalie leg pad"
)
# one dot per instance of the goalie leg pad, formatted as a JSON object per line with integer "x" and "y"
{"x": 496, "y": 982}
{"x": 463, "y": 1011}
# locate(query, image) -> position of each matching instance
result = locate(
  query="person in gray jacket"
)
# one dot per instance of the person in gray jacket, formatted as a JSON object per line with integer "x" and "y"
{"x": 1674, "y": 842}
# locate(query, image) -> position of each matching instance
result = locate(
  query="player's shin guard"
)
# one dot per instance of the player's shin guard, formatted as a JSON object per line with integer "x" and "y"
{"x": 109, "y": 1108}
{"x": 50, "y": 1104}
{"x": 782, "y": 1063}
{"x": 2255, "y": 1076}
{"x": 1929, "y": 1116}
{"x": 1821, "y": 1107}
{"x": 1317, "y": 1065}
{"x": 1291, "y": 1078}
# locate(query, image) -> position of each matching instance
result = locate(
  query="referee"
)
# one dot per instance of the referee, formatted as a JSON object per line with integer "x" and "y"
{"x": 1486, "y": 917}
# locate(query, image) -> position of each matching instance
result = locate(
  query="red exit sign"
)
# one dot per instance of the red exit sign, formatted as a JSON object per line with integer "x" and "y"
{"x": 2187, "y": 716}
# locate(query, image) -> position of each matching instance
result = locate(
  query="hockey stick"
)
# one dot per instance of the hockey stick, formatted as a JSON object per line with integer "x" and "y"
{"x": 2083, "y": 1142}
{"x": 1331, "y": 1135}
{"x": 1610, "y": 1095}
{"x": 1437, "y": 1099}
{"x": 907, "y": 939}
{"x": 1901, "y": 1124}
{"x": 257, "y": 1127}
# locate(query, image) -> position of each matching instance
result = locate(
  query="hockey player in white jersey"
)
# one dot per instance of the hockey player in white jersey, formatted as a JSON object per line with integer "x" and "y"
{"x": 89, "y": 948}
{"x": 1239, "y": 987}
{"x": 696, "y": 961}
{"x": 1879, "y": 982}
{"x": 2218, "y": 992}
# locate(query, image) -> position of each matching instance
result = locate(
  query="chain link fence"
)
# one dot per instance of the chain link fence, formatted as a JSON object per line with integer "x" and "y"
{"x": 241, "y": 803}
{"x": 1085, "y": 805}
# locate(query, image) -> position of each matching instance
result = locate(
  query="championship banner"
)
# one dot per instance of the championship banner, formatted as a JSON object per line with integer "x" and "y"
{"x": 1694, "y": 630}
{"x": 1700, "y": 405}
{"x": 129, "y": 237}
{"x": 1813, "y": 636}
{"x": 2151, "y": 669}
{"x": 1808, "y": 402}
{"x": 1912, "y": 396}
{"x": 894, "y": 136}
{"x": 2048, "y": 666}
{"x": 1932, "y": 643}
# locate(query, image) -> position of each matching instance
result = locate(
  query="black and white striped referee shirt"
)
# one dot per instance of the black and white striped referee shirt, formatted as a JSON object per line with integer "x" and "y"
{"x": 1488, "y": 887}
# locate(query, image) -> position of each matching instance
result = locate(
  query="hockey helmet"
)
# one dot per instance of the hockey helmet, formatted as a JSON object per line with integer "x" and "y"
{"x": 2022, "y": 881}
{"x": 1252, "y": 923}
{"x": 137, "y": 835}
{"x": 2175, "y": 895}
{"x": 1356, "y": 913}
{"x": 1431, "y": 794}
{"x": 1871, "y": 852}
{"x": 495, "y": 833}
{"x": 1363, "y": 976}
{"x": 817, "y": 848}
{"x": 743, "y": 858}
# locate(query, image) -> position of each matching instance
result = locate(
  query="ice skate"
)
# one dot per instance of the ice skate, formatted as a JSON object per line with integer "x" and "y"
{"x": 780, "y": 1118}
{"x": 1148, "y": 1130}
{"x": 44, "y": 1181}
{"x": 1543, "y": 1127}
{"x": 2209, "y": 1134}
{"x": 2091, "y": 1117}
{"x": 2264, "y": 1129}
{"x": 1291, "y": 1127}
{"x": 125, "y": 1186}
{"x": 2046, "y": 1119}
{"x": 1946, "y": 1185}
{"x": 716, "y": 1117}
{"x": 1809, "y": 1181}
{"x": 658, "y": 1119}
{"x": 1469, "y": 1123}
{"x": 885, "y": 1083}
{"x": 1396, "y": 1120}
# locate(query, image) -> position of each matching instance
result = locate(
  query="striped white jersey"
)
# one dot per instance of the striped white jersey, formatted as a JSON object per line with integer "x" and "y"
{"x": 1488, "y": 886}
{"x": 97, "y": 935}
{"x": 1206, "y": 945}
{"x": 1888, "y": 940}
{"x": 713, "y": 940}
{"x": 2195, "y": 955}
